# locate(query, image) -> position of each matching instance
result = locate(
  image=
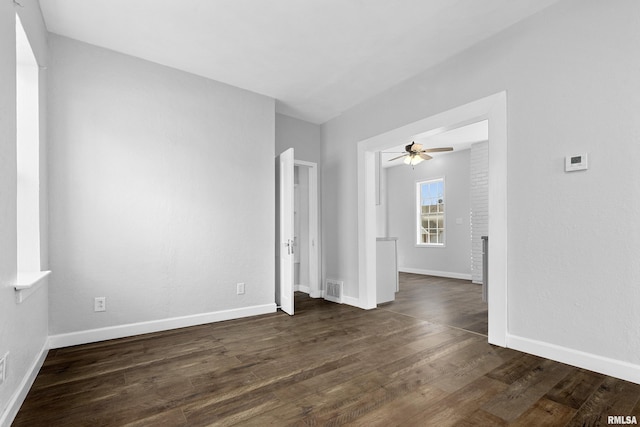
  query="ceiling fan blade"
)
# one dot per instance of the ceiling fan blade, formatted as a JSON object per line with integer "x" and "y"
{"x": 425, "y": 156}
{"x": 437, "y": 150}
{"x": 399, "y": 157}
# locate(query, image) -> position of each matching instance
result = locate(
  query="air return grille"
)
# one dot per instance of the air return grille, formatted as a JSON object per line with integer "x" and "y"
{"x": 333, "y": 290}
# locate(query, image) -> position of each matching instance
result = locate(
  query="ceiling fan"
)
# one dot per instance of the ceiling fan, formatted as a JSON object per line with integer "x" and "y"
{"x": 415, "y": 153}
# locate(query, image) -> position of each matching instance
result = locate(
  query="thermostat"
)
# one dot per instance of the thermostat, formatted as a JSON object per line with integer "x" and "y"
{"x": 577, "y": 162}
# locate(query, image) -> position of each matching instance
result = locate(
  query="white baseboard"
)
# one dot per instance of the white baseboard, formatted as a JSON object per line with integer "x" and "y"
{"x": 604, "y": 365}
{"x": 307, "y": 290}
{"x": 17, "y": 399}
{"x": 448, "y": 274}
{"x": 355, "y": 302}
{"x": 121, "y": 331}
{"x": 302, "y": 288}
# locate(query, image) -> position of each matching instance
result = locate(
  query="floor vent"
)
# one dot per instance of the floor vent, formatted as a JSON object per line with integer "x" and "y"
{"x": 333, "y": 290}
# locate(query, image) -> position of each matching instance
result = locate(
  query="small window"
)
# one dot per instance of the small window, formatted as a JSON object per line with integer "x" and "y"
{"x": 430, "y": 212}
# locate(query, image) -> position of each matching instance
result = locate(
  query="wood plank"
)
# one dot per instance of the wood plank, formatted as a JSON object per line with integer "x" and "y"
{"x": 575, "y": 388}
{"x": 343, "y": 369}
{"x": 173, "y": 417}
{"x": 515, "y": 369}
{"x": 338, "y": 409}
{"x": 477, "y": 361}
{"x": 525, "y": 391}
{"x": 481, "y": 418}
{"x": 230, "y": 411}
{"x": 286, "y": 414}
{"x": 544, "y": 413}
{"x": 398, "y": 411}
{"x": 459, "y": 405}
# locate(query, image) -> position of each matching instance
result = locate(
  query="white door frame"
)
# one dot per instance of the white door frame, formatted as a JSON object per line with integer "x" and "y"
{"x": 492, "y": 108}
{"x": 314, "y": 251}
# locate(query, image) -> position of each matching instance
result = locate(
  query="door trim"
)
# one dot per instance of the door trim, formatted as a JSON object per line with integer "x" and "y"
{"x": 314, "y": 247}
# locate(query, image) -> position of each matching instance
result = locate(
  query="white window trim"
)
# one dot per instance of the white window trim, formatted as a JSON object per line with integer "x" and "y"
{"x": 418, "y": 213}
{"x": 28, "y": 283}
{"x": 29, "y": 278}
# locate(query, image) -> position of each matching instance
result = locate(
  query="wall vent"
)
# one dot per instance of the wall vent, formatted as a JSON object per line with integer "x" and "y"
{"x": 333, "y": 290}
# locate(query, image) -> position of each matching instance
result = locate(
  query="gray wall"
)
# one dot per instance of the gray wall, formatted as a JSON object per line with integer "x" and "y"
{"x": 162, "y": 191}
{"x": 303, "y": 137}
{"x": 570, "y": 73}
{"x": 23, "y": 327}
{"x": 453, "y": 259}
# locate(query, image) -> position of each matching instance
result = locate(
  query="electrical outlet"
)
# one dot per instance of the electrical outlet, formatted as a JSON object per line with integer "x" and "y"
{"x": 240, "y": 288}
{"x": 100, "y": 304}
{"x": 3, "y": 368}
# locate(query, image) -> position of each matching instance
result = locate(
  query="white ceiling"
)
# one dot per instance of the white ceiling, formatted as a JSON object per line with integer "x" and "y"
{"x": 317, "y": 58}
{"x": 459, "y": 139}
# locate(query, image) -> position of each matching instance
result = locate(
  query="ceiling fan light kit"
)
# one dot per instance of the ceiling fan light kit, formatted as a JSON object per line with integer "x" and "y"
{"x": 413, "y": 160}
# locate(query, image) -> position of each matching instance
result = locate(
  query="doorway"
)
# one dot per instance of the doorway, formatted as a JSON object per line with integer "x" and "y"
{"x": 297, "y": 252}
{"x": 306, "y": 254}
{"x": 491, "y": 108}
{"x": 437, "y": 211}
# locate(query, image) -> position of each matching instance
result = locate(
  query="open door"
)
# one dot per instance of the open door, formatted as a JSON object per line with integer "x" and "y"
{"x": 284, "y": 238}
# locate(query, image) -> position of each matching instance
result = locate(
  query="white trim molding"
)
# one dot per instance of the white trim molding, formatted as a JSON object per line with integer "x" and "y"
{"x": 302, "y": 288}
{"x": 16, "y": 401}
{"x": 354, "y": 302}
{"x": 314, "y": 242}
{"x": 28, "y": 283}
{"x": 448, "y": 274}
{"x": 132, "y": 329}
{"x": 604, "y": 365}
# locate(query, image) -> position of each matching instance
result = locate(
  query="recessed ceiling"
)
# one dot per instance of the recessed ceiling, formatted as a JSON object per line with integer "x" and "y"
{"x": 317, "y": 58}
{"x": 459, "y": 139}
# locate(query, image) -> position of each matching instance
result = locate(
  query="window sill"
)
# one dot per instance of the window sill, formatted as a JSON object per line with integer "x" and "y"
{"x": 28, "y": 283}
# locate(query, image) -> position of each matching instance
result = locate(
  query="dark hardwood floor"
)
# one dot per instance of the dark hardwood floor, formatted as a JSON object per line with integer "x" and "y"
{"x": 451, "y": 302}
{"x": 329, "y": 364}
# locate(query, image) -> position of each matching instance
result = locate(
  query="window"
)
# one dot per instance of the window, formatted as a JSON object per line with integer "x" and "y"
{"x": 27, "y": 165}
{"x": 430, "y": 203}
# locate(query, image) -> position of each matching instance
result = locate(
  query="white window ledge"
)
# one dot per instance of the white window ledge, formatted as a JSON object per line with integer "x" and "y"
{"x": 28, "y": 283}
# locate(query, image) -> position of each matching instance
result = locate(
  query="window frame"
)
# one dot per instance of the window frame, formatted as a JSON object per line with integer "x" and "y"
{"x": 29, "y": 273}
{"x": 418, "y": 214}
